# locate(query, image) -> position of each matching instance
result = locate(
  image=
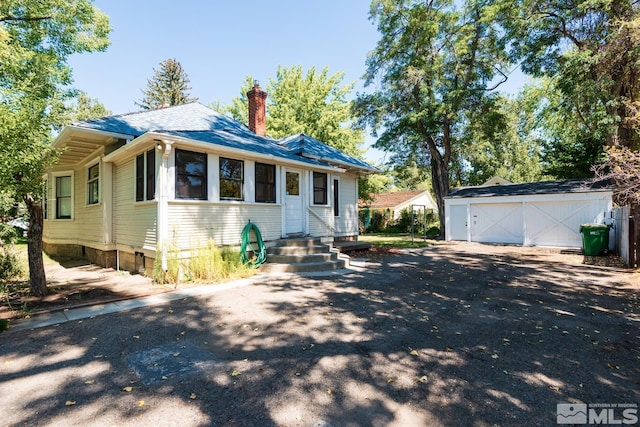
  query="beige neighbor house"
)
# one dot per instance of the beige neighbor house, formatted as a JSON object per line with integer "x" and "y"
{"x": 126, "y": 187}
{"x": 395, "y": 202}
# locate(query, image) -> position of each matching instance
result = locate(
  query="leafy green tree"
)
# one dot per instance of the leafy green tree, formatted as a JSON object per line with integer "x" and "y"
{"x": 432, "y": 67}
{"x": 570, "y": 144}
{"x": 168, "y": 86}
{"x": 36, "y": 38}
{"x": 500, "y": 141}
{"x": 592, "y": 51}
{"x": 84, "y": 108}
{"x": 314, "y": 104}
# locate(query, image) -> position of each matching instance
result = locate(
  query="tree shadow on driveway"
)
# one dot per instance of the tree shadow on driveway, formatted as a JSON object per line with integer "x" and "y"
{"x": 431, "y": 337}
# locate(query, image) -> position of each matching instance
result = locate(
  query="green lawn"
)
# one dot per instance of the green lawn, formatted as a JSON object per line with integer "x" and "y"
{"x": 395, "y": 240}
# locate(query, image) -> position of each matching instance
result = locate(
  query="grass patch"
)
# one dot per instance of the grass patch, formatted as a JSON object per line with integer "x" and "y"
{"x": 395, "y": 240}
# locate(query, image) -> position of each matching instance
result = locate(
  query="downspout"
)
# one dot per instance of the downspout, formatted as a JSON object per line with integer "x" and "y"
{"x": 163, "y": 201}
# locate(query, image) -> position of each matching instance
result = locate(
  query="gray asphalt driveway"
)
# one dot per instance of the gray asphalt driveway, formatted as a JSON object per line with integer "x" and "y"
{"x": 452, "y": 335}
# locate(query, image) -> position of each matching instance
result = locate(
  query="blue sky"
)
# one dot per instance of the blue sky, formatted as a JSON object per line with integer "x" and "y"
{"x": 220, "y": 42}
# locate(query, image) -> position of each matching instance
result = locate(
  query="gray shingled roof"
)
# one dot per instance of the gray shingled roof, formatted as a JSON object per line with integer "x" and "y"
{"x": 252, "y": 143}
{"x": 530, "y": 188}
{"x": 193, "y": 116}
{"x": 307, "y": 146}
{"x": 197, "y": 122}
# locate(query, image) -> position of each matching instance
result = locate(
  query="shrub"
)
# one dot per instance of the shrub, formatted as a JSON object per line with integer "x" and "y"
{"x": 208, "y": 263}
{"x": 10, "y": 265}
{"x": 172, "y": 275}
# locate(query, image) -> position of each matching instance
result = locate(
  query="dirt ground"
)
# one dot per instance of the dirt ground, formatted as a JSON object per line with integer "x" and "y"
{"x": 455, "y": 334}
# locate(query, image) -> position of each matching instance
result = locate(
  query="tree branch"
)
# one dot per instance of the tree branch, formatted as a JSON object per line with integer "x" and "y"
{"x": 11, "y": 18}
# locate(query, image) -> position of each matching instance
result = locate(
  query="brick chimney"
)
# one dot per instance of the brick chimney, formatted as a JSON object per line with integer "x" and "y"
{"x": 257, "y": 109}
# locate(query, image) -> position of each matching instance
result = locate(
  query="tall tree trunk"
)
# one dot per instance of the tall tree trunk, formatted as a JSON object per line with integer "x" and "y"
{"x": 37, "y": 277}
{"x": 440, "y": 182}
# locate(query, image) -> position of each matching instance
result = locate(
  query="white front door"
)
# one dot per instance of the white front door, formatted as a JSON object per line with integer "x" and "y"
{"x": 293, "y": 202}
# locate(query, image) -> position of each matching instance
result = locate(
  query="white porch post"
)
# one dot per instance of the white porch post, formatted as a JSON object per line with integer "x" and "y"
{"x": 162, "y": 185}
{"x": 107, "y": 203}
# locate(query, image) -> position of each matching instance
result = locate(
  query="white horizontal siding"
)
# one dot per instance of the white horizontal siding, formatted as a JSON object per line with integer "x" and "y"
{"x": 86, "y": 225}
{"x": 134, "y": 223}
{"x": 193, "y": 223}
{"x": 347, "y": 223}
{"x": 320, "y": 220}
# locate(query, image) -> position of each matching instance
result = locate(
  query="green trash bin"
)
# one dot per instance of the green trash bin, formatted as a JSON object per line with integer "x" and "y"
{"x": 595, "y": 238}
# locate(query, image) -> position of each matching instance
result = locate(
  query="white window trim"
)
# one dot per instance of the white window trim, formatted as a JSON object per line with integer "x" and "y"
{"x": 328, "y": 188}
{"x": 145, "y": 166}
{"x": 86, "y": 189}
{"x": 333, "y": 192}
{"x": 54, "y": 195}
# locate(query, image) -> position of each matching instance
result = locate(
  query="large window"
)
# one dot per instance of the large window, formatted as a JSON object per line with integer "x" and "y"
{"x": 93, "y": 185}
{"x": 191, "y": 175}
{"x": 265, "y": 183}
{"x": 319, "y": 188}
{"x": 231, "y": 179}
{"x": 146, "y": 176}
{"x": 64, "y": 205}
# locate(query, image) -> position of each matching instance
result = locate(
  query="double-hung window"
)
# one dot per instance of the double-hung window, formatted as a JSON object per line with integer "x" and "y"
{"x": 265, "y": 183}
{"x": 146, "y": 176}
{"x": 93, "y": 185}
{"x": 231, "y": 179}
{"x": 319, "y": 188}
{"x": 191, "y": 175}
{"x": 64, "y": 199}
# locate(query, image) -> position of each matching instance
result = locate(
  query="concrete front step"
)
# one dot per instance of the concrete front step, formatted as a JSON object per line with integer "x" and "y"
{"x": 303, "y": 267}
{"x": 302, "y": 258}
{"x": 298, "y": 255}
{"x": 299, "y": 250}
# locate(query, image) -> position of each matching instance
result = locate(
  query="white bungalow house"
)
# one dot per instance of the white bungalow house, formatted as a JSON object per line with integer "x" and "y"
{"x": 127, "y": 186}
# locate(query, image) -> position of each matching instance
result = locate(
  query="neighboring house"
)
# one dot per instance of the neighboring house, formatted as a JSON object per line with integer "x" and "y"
{"x": 545, "y": 213}
{"x": 395, "y": 202}
{"x": 126, "y": 188}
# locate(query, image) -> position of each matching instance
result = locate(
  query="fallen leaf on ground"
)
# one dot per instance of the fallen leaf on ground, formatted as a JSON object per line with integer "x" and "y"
{"x": 390, "y": 380}
{"x": 495, "y": 356}
{"x": 235, "y": 373}
{"x": 193, "y": 396}
{"x": 423, "y": 379}
{"x": 140, "y": 403}
{"x": 89, "y": 382}
{"x": 127, "y": 389}
{"x": 413, "y": 353}
{"x": 69, "y": 403}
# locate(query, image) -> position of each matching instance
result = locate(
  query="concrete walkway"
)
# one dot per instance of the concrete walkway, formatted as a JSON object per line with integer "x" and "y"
{"x": 85, "y": 312}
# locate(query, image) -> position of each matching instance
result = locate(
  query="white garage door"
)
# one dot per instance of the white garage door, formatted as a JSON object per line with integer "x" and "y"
{"x": 558, "y": 223}
{"x": 497, "y": 223}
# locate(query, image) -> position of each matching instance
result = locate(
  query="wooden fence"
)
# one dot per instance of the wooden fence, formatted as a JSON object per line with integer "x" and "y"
{"x": 627, "y": 235}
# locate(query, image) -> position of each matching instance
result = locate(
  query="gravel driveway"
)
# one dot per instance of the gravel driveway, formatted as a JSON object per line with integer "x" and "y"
{"x": 453, "y": 335}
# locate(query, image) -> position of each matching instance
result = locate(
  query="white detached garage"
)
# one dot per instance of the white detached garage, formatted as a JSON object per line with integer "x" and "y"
{"x": 545, "y": 213}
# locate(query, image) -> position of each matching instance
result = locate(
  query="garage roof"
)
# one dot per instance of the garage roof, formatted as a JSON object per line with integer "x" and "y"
{"x": 529, "y": 188}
